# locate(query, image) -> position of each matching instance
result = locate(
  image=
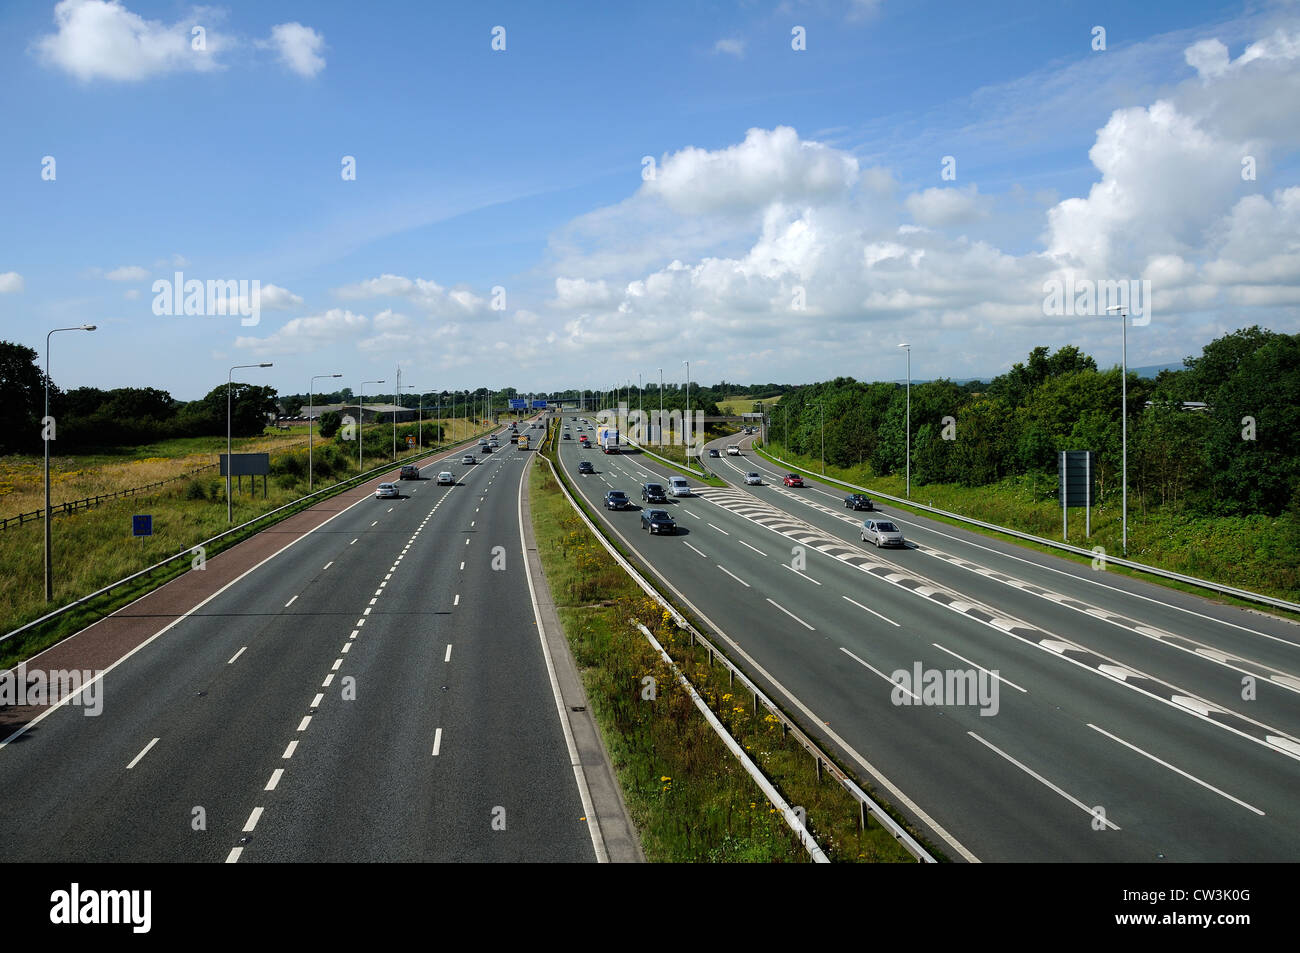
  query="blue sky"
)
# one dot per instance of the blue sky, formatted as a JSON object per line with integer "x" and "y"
{"x": 798, "y": 226}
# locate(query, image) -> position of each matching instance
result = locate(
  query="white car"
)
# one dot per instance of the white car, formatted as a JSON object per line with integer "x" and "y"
{"x": 468, "y": 460}
{"x": 733, "y": 451}
{"x": 677, "y": 486}
{"x": 753, "y": 479}
{"x": 446, "y": 479}
{"x": 387, "y": 491}
{"x": 882, "y": 533}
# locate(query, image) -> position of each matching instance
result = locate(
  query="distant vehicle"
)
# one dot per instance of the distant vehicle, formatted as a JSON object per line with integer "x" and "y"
{"x": 468, "y": 460}
{"x": 387, "y": 491}
{"x": 607, "y": 437}
{"x": 486, "y": 448}
{"x": 514, "y": 437}
{"x": 445, "y": 478}
{"x": 586, "y": 467}
{"x": 568, "y": 436}
{"x": 713, "y": 452}
{"x": 658, "y": 522}
{"x": 753, "y": 479}
{"x": 409, "y": 472}
{"x": 882, "y": 533}
{"x": 653, "y": 493}
{"x": 482, "y": 441}
{"x": 858, "y": 501}
{"x": 678, "y": 486}
{"x": 793, "y": 479}
{"x": 617, "y": 500}
{"x": 733, "y": 451}
{"x": 586, "y": 444}
{"x": 494, "y": 443}
{"x": 523, "y": 441}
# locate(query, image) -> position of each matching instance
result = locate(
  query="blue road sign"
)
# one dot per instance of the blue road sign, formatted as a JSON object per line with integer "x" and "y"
{"x": 142, "y": 525}
{"x": 539, "y": 404}
{"x": 518, "y": 404}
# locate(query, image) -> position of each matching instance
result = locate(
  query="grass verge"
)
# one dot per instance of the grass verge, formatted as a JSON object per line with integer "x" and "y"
{"x": 689, "y": 798}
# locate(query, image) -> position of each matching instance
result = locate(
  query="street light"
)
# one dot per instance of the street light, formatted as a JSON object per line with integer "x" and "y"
{"x": 45, "y": 427}
{"x": 822, "y": 407}
{"x": 229, "y": 384}
{"x": 361, "y": 418}
{"x": 1123, "y": 317}
{"x": 661, "y": 405}
{"x": 686, "y": 429}
{"x": 310, "y": 395}
{"x": 908, "y": 348}
{"x": 397, "y": 402}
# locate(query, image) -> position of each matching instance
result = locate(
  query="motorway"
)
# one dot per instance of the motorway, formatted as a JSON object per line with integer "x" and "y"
{"x": 375, "y": 691}
{"x": 1130, "y": 722}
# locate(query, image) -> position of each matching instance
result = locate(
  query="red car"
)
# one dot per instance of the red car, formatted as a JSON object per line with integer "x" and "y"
{"x": 793, "y": 479}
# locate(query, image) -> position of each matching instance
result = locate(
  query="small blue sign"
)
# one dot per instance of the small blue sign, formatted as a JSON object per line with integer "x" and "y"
{"x": 142, "y": 525}
{"x": 518, "y": 404}
{"x": 539, "y": 404}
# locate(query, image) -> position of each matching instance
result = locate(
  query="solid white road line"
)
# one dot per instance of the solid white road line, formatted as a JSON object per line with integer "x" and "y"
{"x": 136, "y": 759}
{"x": 980, "y": 667}
{"x": 1166, "y": 764}
{"x": 236, "y": 655}
{"x": 1042, "y": 780}
{"x": 733, "y": 575}
{"x": 437, "y": 741}
{"x": 793, "y": 616}
{"x": 872, "y": 611}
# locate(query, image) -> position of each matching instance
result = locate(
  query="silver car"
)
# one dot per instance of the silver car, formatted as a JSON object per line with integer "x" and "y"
{"x": 753, "y": 479}
{"x": 882, "y": 533}
{"x": 387, "y": 491}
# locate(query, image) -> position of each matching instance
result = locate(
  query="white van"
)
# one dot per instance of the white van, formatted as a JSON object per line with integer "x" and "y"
{"x": 677, "y": 486}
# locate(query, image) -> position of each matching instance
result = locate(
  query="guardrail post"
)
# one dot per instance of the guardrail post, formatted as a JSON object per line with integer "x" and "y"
{"x": 818, "y": 759}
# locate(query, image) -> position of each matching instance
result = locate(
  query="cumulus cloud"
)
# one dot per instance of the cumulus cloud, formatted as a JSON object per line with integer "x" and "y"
{"x": 309, "y": 334}
{"x": 769, "y": 166}
{"x": 10, "y": 282}
{"x": 102, "y": 39}
{"x": 940, "y": 207}
{"x": 299, "y": 48}
{"x": 734, "y": 47}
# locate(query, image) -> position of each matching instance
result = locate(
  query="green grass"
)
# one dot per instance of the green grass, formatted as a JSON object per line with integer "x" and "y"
{"x": 688, "y": 796}
{"x": 1258, "y": 553}
{"x": 745, "y": 405}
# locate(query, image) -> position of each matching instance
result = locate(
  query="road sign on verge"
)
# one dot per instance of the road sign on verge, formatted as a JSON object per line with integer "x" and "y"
{"x": 142, "y": 525}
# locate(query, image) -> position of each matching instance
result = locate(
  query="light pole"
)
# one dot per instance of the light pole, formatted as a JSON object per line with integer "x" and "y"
{"x": 420, "y": 439}
{"x": 908, "y": 348}
{"x": 400, "y": 403}
{"x": 822, "y": 407}
{"x": 686, "y": 428}
{"x": 310, "y": 395}
{"x": 661, "y": 405}
{"x": 361, "y": 419}
{"x": 45, "y": 427}
{"x": 229, "y": 384}
{"x": 1123, "y": 317}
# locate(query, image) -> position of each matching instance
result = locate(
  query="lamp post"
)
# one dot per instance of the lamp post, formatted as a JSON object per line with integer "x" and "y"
{"x": 661, "y": 405}
{"x": 361, "y": 419}
{"x": 686, "y": 428}
{"x": 310, "y": 395}
{"x": 1123, "y": 317}
{"x": 45, "y": 427}
{"x": 822, "y": 408}
{"x": 908, "y": 348}
{"x": 229, "y": 384}
{"x": 399, "y": 403}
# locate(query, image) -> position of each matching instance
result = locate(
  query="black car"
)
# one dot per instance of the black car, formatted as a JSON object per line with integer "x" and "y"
{"x": 658, "y": 521}
{"x": 568, "y": 436}
{"x": 409, "y": 472}
{"x": 713, "y": 452}
{"x": 653, "y": 493}
{"x": 858, "y": 501}
{"x": 617, "y": 500}
{"x": 586, "y": 467}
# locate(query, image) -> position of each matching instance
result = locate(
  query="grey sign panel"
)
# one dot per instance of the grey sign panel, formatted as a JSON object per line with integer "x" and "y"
{"x": 1076, "y": 472}
{"x": 247, "y": 464}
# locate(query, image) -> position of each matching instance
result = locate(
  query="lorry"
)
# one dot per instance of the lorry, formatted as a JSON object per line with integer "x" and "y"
{"x": 523, "y": 441}
{"x": 607, "y": 438}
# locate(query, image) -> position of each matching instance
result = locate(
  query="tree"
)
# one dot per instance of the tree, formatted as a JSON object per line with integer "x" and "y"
{"x": 22, "y": 391}
{"x": 330, "y": 421}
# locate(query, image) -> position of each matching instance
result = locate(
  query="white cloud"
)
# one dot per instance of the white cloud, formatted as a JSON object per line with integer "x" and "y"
{"x": 734, "y": 47}
{"x": 299, "y": 48}
{"x": 769, "y": 166}
{"x": 940, "y": 207}
{"x": 102, "y": 39}
{"x": 279, "y": 299}
{"x": 430, "y": 296}
{"x": 306, "y": 335}
{"x": 10, "y": 282}
{"x": 127, "y": 273}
